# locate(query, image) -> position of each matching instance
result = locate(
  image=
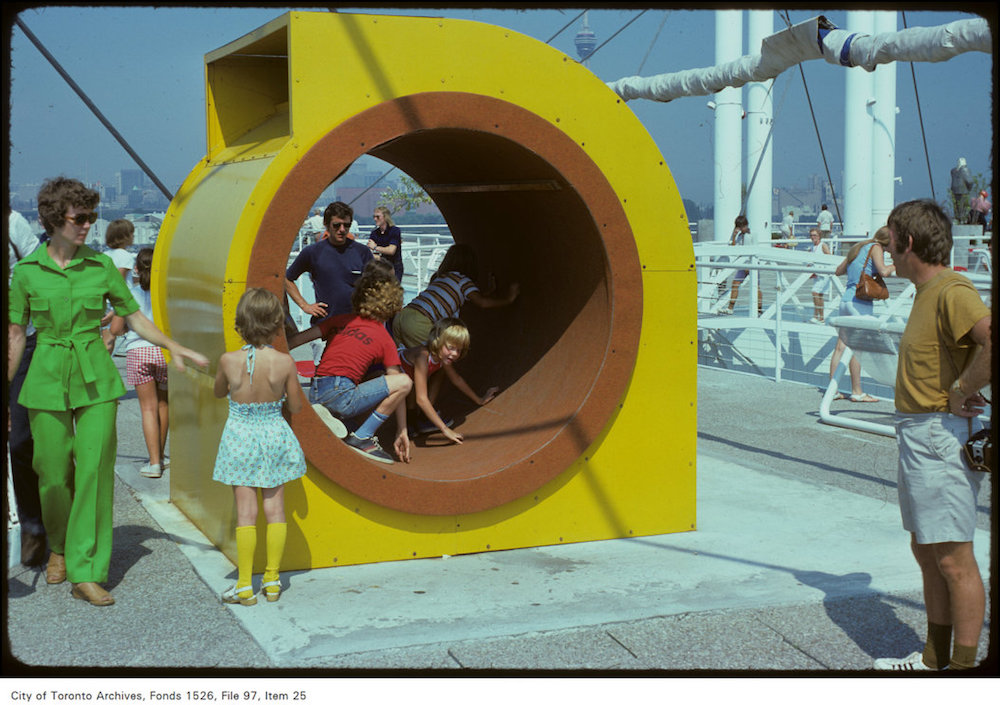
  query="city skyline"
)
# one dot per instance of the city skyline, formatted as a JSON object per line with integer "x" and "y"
{"x": 150, "y": 86}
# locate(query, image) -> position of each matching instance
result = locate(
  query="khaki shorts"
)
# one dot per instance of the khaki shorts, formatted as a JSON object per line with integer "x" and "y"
{"x": 937, "y": 492}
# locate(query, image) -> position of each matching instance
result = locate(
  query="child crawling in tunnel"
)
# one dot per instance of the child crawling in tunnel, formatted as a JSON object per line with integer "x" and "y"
{"x": 355, "y": 343}
{"x": 447, "y": 344}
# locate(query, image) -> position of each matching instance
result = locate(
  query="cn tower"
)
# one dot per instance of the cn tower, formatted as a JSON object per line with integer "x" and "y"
{"x": 585, "y": 41}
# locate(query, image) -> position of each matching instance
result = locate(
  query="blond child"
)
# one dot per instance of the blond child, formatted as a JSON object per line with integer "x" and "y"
{"x": 448, "y": 343}
{"x": 258, "y": 448}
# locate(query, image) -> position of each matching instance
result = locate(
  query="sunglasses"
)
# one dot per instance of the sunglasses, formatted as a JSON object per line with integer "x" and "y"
{"x": 82, "y": 219}
{"x": 337, "y": 226}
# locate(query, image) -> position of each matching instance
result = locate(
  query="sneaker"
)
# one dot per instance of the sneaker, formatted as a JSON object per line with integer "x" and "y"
{"x": 151, "y": 470}
{"x": 368, "y": 447}
{"x": 913, "y": 662}
{"x": 726, "y": 312}
{"x": 336, "y": 426}
{"x": 425, "y": 426}
{"x": 814, "y": 319}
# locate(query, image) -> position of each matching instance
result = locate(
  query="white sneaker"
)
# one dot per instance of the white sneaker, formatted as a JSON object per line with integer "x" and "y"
{"x": 913, "y": 662}
{"x": 151, "y": 470}
{"x": 336, "y": 426}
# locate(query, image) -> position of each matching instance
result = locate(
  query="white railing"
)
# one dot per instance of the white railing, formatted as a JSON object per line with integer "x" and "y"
{"x": 424, "y": 246}
{"x": 782, "y": 334}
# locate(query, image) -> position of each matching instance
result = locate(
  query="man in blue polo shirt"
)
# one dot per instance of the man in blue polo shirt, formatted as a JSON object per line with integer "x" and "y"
{"x": 334, "y": 262}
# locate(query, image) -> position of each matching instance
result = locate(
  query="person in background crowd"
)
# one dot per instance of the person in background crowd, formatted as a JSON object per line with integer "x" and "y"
{"x": 386, "y": 241}
{"x": 21, "y": 243}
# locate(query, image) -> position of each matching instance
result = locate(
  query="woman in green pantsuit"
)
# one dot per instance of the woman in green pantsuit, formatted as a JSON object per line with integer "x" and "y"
{"x": 72, "y": 386}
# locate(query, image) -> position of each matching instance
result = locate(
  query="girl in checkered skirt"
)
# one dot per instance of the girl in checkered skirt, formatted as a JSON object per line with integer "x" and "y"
{"x": 146, "y": 370}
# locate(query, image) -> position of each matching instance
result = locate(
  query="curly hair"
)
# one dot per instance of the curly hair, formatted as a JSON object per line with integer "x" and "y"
{"x": 58, "y": 195}
{"x": 449, "y": 331}
{"x": 259, "y": 316}
{"x": 379, "y": 269}
{"x": 929, "y": 227}
{"x": 376, "y": 298}
{"x": 120, "y": 233}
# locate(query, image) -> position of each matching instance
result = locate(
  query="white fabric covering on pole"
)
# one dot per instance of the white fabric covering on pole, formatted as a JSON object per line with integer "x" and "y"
{"x": 859, "y": 88}
{"x": 728, "y": 128}
{"x": 884, "y": 134}
{"x": 760, "y": 141}
{"x": 816, "y": 38}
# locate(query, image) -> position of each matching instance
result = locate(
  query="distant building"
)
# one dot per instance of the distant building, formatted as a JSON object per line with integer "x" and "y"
{"x": 128, "y": 179}
{"x": 147, "y": 227}
{"x": 805, "y": 199}
{"x": 362, "y": 201}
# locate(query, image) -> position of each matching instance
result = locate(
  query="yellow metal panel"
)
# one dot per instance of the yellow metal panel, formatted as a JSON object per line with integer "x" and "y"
{"x": 339, "y": 65}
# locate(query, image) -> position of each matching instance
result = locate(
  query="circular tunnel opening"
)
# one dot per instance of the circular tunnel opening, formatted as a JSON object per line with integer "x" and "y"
{"x": 538, "y": 212}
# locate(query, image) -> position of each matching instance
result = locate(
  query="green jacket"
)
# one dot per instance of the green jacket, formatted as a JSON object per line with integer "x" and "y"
{"x": 71, "y": 367}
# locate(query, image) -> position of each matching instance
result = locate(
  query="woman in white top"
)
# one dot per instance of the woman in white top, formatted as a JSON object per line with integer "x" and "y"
{"x": 119, "y": 235}
{"x": 821, "y": 283}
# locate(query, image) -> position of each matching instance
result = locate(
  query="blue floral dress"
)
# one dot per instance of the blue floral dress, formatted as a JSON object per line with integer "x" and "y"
{"x": 258, "y": 448}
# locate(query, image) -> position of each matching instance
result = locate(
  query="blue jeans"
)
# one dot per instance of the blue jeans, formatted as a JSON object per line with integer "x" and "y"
{"x": 344, "y": 398}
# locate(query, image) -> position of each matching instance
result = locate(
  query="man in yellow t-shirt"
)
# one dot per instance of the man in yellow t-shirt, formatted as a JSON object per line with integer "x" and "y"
{"x": 944, "y": 360}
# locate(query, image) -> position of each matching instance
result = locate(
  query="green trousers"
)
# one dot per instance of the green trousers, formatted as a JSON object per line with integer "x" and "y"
{"x": 75, "y": 462}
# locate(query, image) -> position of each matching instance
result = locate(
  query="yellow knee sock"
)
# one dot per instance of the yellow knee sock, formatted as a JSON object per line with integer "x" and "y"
{"x": 246, "y": 546}
{"x": 276, "y": 533}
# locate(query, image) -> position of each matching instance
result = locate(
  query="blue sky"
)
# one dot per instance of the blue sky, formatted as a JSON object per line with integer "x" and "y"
{"x": 143, "y": 67}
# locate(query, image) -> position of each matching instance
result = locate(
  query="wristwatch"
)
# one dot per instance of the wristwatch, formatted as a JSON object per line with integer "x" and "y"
{"x": 957, "y": 387}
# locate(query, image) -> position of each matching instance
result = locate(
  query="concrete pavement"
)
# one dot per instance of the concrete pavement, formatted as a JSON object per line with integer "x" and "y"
{"x": 798, "y": 564}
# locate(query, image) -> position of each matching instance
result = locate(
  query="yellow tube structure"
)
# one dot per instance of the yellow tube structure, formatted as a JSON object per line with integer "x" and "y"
{"x": 550, "y": 177}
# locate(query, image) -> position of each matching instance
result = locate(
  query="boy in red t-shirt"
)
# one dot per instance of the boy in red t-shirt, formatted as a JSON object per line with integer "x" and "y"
{"x": 355, "y": 342}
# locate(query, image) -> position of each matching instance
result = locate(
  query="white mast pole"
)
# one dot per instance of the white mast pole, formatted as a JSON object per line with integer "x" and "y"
{"x": 858, "y": 103}
{"x": 760, "y": 117}
{"x": 728, "y": 129}
{"x": 884, "y": 134}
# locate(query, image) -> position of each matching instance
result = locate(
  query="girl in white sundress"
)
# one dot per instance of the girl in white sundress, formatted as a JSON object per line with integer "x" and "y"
{"x": 258, "y": 448}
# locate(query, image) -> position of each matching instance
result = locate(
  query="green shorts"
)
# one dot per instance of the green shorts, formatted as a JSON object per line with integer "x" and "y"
{"x": 411, "y": 327}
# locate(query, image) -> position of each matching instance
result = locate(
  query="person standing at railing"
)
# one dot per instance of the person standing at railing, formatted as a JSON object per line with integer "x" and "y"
{"x": 944, "y": 360}
{"x": 821, "y": 282}
{"x": 788, "y": 226}
{"x": 980, "y": 209}
{"x": 961, "y": 185}
{"x": 824, "y": 221}
{"x": 386, "y": 241}
{"x": 741, "y": 228}
{"x": 866, "y": 256}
